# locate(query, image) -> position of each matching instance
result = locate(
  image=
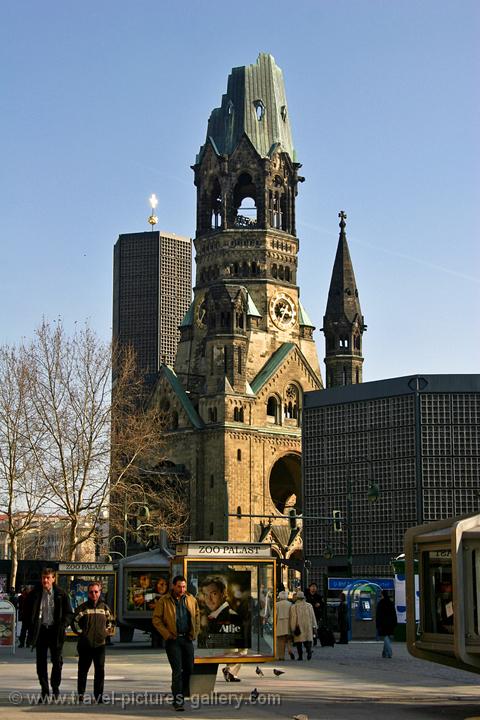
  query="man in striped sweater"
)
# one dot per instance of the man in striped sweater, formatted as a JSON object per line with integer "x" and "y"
{"x": 93, "y": 621}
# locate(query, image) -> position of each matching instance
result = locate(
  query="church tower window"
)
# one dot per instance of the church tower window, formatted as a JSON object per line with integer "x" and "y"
{"x": 245, "y": 202}
{"x": 216, "y": 206}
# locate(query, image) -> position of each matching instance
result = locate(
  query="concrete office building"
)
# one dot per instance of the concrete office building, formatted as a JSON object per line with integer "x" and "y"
{"x": 412, "y": 444}
{"x": 152, "y": 291}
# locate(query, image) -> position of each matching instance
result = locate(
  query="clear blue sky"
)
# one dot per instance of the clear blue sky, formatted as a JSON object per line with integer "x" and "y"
{"x": 104, "y": 102}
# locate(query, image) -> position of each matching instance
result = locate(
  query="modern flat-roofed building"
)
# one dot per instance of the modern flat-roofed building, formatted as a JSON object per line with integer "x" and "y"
{"x": 410, "y": 444}
{"x": 152, "y": 291}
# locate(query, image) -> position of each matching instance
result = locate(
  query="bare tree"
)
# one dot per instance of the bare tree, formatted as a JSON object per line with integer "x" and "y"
{"x": 22, "y": 488}
{"x": 70, "y": 447}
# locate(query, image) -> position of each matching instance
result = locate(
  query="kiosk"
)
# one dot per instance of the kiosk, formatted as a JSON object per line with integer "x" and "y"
{"x": 447, "y": 630}
{"x": 234, "y": 584}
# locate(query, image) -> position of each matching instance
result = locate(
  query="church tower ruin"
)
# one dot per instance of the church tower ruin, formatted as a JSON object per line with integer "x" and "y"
{"x": 246, "y": 353}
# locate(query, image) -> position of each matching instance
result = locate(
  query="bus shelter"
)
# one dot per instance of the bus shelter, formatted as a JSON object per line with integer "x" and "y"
{"x": 234, "y": 584}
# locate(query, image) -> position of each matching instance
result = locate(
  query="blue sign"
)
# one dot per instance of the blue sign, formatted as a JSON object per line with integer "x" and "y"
{"x": 342, "y": 583}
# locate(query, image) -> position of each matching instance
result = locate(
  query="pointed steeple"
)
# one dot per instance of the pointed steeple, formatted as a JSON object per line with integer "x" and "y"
{"x": 343, "y": 322}
{"x": 343, "y": 301}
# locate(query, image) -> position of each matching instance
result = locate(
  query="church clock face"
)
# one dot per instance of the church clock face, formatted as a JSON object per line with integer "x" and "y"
{"x": 283, "y": 311}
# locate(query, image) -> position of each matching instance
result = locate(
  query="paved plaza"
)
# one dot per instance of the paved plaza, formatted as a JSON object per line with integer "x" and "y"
{"x": 345, "y": 682}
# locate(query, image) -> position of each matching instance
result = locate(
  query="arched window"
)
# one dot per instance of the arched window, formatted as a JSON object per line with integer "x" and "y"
{"x": 211, "y": 528}
{"x": 216, "y": 206}
{"x": 344, "y": 373}
{"x": 212, "y": 481}
{"x": 357, "y": 375}
{"x": 291, "y": 406}
{"x": 239, "y": 454}
{"x": 287, "y": 274}
{"x": 235, "y": 414}
{"x": 239, "y": 360}
{"x": 245, "y": 202}
{"x": 239, "y": 511}
{"x": 259, "y": 109}
{"x": 241, "y": 415}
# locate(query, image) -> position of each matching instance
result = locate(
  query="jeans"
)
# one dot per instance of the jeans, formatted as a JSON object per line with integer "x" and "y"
{"x": 180, "y": 657}
{"x": 87, "y": 654}
{"x": 387, "y": 647}
{"x": 48, "y": 640}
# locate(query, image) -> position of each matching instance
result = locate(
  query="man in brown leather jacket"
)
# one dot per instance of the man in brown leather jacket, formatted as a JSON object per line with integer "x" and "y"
{"x": 177, "y": 619}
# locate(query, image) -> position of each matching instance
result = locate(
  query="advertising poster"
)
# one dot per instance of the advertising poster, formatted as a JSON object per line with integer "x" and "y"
{"x": 7, "y": 624}
{"x": 77, "y": 588}
{"x": 78, "y": 591}
{"x": 144, "y": 588}
{"x": 225, "y": 609}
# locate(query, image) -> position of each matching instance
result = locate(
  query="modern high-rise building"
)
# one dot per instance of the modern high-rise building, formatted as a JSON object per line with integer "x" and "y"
{"x": 385, "y": 456}
{"x": 152, "y": 291}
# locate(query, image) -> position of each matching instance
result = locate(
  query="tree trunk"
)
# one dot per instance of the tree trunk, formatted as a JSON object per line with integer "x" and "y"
{"x": 73, "y": 538}
{"x": 13, "y": 559}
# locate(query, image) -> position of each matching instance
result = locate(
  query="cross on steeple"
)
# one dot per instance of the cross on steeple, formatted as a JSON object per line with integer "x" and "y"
{"x": 343, "y": 216}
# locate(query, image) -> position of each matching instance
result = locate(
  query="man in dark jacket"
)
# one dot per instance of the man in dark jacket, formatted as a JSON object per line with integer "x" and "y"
{"x": 93, "y": 621}
{"x": 313, "y": 597}
{"x": 386, "y": 622}
{"x": 47, "y": 613}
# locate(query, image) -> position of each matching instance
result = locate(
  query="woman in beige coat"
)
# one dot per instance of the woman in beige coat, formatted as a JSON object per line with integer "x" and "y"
{"x": 282, "y": 610}
{"x": 302, "y": 624}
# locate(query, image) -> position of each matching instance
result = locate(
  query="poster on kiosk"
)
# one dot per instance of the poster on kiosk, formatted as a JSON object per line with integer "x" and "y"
{"x": 234, "y": 584}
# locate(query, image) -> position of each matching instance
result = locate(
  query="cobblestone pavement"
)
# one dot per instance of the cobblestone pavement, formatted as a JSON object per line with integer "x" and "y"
{"x": 348, "y": 681}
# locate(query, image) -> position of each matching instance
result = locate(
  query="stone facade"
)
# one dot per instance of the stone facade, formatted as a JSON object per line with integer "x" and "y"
{"x": 246, "y": 354}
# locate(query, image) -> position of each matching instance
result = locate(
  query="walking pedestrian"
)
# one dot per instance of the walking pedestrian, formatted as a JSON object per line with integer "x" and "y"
{"x": 21, "y": 610}
{"x": 313, "y": 597}
{"x": 282, "y": 609}
{"x": 342, "y": 617}
{"x": 177, "y": 618}
{"x": 48, "y": 613}
{"x": 302, "y": 625}
{"x": 386, "y": 622}
{"x": 93, "y": 621}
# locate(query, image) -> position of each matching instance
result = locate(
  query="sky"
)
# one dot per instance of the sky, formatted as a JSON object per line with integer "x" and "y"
{"x": 104, "y": 102}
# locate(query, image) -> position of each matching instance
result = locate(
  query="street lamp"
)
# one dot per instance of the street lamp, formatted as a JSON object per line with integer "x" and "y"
{"x": 373, "y": 494}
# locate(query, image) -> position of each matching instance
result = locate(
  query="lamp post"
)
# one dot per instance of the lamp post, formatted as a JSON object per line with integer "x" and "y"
{"x": 372, "y": 496}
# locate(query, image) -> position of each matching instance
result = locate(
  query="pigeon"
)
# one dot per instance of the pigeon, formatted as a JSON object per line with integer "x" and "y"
{"x": 259, "y": 671}
{"x": 278, "y": 672}
{"x": 300, "y": 717}
{"x": 254, "y": 695}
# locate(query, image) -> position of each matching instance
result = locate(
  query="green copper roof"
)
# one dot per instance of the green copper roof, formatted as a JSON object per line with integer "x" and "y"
{"x": 188, "y": 318}
{"x": 255, "y": 104}
{"x": 177, "y": 387}
{"x": 271, "y": 366}
{"x": 303, "y": 318}
{"x": 251, "y": 307}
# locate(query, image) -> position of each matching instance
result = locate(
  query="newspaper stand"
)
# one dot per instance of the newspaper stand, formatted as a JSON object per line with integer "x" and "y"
{"x": 234, "y": 584}
{"x": 7, "y": 625}
{"x": 447, "y": 630}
